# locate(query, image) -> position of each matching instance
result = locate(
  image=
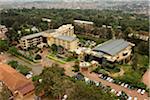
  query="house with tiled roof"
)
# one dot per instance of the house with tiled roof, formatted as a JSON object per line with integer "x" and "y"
{"x": 18, "y": 84}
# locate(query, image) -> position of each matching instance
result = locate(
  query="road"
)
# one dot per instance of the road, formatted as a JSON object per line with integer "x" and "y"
{"x": 132, "y": 93}
{"x": 36, "y": 67}
{"x": 94, "y": 76}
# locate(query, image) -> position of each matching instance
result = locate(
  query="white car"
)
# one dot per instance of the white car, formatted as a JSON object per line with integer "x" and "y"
{"x": 129, "y": 98}
{"x": 142, "y": 92}
{"x": 100, "y": 75}
{"x": 139, "y": 90}
{"x": 30, "y": 72}
{"x": 97, "y": 84}
{"x": 119, "y": 93}
{"x": 110, "y": 80}
{"x": 28, "y": 76}
{"x": 126, "y": 85}
{"x": 135, "y": 98}
{"x": 122, "y": 84}
{"x": 112, "y": 90}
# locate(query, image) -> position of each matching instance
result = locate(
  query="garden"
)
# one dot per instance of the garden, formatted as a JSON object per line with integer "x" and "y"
{"x": 19, "y": 67}
{"x": 60, "y": 54}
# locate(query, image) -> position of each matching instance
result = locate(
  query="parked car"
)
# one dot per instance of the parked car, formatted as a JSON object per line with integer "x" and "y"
{"x": 142, "y": 92}
{"x": 135, "y": 98}
{"x": 119, "y": 93}
{"x": 122, "y": 84}
{"x": 79, "y": 76}
{"x": 139, "y": 90}
{"x": 126, "y": 85}
{"x": 100, "y": 75}
{"x": 129, "y": 98}
{"x": 113, "y": 91}
{"x": 110, "y": 80}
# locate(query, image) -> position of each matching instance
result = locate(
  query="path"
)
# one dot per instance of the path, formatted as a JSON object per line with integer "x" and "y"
{"x": 118, "y": 74}
{"x": 146, "y": 78}
{"x": 94, "y": 76}
{"x": 132, "y": 93}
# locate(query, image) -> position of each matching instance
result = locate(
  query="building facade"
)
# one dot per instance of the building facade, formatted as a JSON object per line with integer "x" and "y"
{"x": 115, "y": 50}
{"x": 87, "y": 25}
{"x": 63, "y": 36}
{"x": 3, "y": 30}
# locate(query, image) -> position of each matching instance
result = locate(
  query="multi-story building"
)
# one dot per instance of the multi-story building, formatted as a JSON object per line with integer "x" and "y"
{"x": 63, "y": 36}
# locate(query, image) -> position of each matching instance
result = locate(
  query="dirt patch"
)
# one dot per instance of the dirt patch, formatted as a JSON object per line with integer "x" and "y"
{"x": 146, "y": 77}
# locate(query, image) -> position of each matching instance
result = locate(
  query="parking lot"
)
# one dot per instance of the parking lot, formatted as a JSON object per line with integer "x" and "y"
{"x": 117, "y": 88}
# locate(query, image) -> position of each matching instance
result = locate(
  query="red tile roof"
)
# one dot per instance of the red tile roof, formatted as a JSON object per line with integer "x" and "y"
{"x": 14, "y": 80}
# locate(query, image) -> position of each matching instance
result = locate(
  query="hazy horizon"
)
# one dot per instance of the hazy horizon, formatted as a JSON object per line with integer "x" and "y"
{"x": 62, "y": 0}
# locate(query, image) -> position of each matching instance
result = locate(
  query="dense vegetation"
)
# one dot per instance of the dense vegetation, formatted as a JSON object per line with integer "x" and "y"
{"x": 19, "y": 67}
{"x": 21, "y": 19}
{"x": 54, "y": 84}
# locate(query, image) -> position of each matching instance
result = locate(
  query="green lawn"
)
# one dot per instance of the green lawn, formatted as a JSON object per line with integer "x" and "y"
{"x": 143, "y": 60}
{"x": 56, "y": 59}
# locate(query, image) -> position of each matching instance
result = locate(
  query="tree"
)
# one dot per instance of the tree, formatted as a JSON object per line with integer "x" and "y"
{"x": 53, "y": 82}
{"x": 5, "y": 93}
{"x": 128, "y": 30}
{"x": 13, "y": 50}
{"x": 54, "y": 48}
{"x": 13, "y": 64}
{"x": 4, "y": 45}
{"x": 134, "y": 61}
{"x": 38, "y": 57}
{"x": 143, "y": 48}
{"x": 86, "y": 92}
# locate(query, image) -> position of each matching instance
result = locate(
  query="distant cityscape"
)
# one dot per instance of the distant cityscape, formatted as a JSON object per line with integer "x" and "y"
{"x": 134, "y": 6}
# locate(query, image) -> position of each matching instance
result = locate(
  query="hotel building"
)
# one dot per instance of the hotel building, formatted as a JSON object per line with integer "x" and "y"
{"x": 63, "y": 36}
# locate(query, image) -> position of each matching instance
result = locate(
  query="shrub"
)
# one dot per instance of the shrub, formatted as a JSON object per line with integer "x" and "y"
{"x": 38, "y": 57}
{"x": 76, "y": 68}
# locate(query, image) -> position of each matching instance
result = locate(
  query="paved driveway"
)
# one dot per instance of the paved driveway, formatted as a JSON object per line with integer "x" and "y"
{"x": 132, "y": 93}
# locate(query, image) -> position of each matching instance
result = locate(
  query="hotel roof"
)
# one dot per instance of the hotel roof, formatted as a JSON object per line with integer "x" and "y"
{"x": 14, "y": 80}
{"x": 112, "y": 47}
{"x": 37, "y": 34}
{"x": 66, "y": 38}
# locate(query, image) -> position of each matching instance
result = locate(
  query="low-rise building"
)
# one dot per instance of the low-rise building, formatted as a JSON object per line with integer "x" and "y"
{"x": 3, "y": 30}
{"x": 18, "y": 84}
{"x": 115, "y": 50}
{"x": 87, "y": 25}
{"x": 141, "y": 35}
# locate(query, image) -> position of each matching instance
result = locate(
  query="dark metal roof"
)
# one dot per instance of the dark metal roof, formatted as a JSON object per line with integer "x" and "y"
{"x": 112, "y": 47}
